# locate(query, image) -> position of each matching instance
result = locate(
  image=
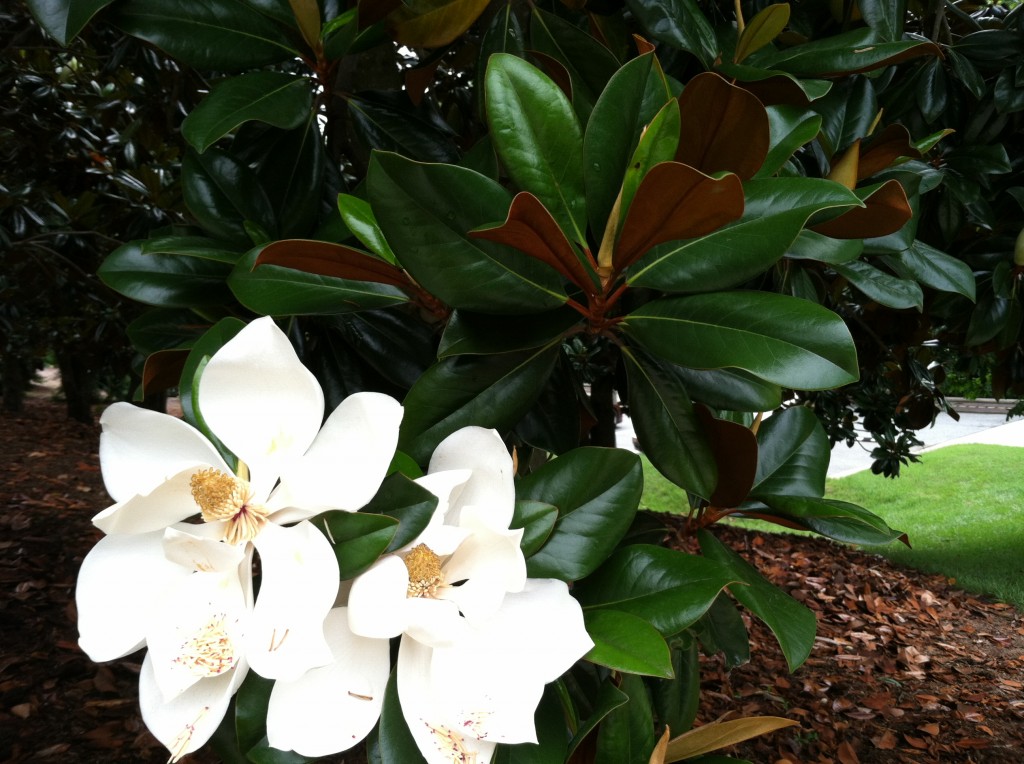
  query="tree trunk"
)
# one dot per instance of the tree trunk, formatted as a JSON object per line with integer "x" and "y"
{"x": 14, "y": 382}
{"x": 78, "y": 384}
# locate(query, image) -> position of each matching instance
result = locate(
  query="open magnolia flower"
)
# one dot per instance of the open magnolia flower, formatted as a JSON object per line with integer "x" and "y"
{"x": 184, "y": 589}
{"x": 480, "y": 640}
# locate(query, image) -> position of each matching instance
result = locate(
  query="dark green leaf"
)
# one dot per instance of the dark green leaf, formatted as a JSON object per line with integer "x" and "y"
{"x": 626, "y": 736}
{"x": 790, "y": 128}
{"x": 538, "y": 138}
{"x": 400, "y": 499}
{"x": 64, "y": 19}
{"x": 933, "y": 92}
{"x": 279, "y": 99}
{"x": 607, "y": 699}
{"x": 165, "y": 328}
{"x": 1008, "y": 93}
{"x": 426, "y": 212}
{"x": 275, "y": 290}
{"x": 227, "y": 36}
{"x": 358, "y": 538}
{"x": 596, "y": 491}
{"x": 793, "y": 454}
{"x": 967, "y": 73}
{"x": 223, "y": 194}
{"x": 168, "y": 281}
{"x": 394, "y": 741}
{"x": 679, "y": 23}
{"x": 669, "y": 589}
{"x": 837, "y": 520}
{"x": 388, "y": 120}
{"x": 668, "y": 429}
{"x": 730, "y": 389}
{"x": 193, "y": 246}
{"x": 481, "y": 334}
{"x": 537, "y": 518}
{"x": 551, "y": 746}
{"x": 722, "y": 630}
{"x": 292, "y": 172}
{"x": 810, "y": 245}
{"x": 504, "y": 34}
{"x": 885, "y": 17}
{"x": 627, "y": 643}
{"x": 858, "y": 50}
{"x": 488, "y": 391}
{"x": 793, "y": 624}
{"x": 677, "y": 700}
{"x": 934, "y": 268}
{"x": 251, "y": 703}
{"x": 882, "y": 287}
{"x": 785, "y": 340}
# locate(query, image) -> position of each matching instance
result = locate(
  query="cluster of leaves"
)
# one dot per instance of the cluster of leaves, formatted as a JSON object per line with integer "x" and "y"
{"x": 504, "y": 215}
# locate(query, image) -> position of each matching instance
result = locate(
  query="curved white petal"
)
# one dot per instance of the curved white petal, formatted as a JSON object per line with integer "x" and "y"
{"x": 120, "y": 587}
{"x": 446, "y": 486}
{"x": 491, "y": 485}
{"x": 186, "y": 723}
{"x": 139, "y": 449}
{"x": 199, "y": 547}
{"x": 331, "y": 708}
{"x": 262, "y": 403}
{"x": 168, "y": 503}
{"x": 348, "y": 460}
{"x": 441, "y": 733}
{"x": 285, "y": 636}
{"x": 434, "y": 622}
{"x": 489, "y": 563}
{"x": 197, "y": 632}
{"x": 377, "y": 600}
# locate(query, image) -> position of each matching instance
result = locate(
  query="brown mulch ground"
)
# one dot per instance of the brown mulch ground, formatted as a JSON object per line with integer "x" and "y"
{"x": 905, "y": 668}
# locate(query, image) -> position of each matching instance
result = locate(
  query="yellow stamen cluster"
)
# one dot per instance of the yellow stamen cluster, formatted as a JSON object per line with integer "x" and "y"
{"x": 425, "y": 577}
{"x": 225, "y": 497}
{"x": 210, "y": 652}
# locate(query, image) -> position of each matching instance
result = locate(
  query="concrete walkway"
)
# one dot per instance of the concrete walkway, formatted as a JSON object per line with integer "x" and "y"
{"x": 990, "y": 427}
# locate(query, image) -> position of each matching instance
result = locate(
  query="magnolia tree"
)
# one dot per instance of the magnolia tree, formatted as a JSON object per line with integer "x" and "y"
{"x": 689, "y": 209}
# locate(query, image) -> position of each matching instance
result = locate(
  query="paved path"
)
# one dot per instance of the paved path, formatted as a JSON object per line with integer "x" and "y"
{"x": 973, "y": 427}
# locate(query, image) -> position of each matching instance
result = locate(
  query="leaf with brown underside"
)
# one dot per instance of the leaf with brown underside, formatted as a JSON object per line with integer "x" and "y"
{"x": 327, "y": 259}
{"x": 715, "y": 735}
{"x": 884, "y": 148}
{"x": 163, "y": 370}
{"x": 643, "y": 45}
{"x": 724, "y": 128}
{"x": 846, "y": 169}
{"x": 887, "y": 211}
{"x": 735, "y": 450}
{"x": 675, "y": 201}
{"x": 531, "y": 229}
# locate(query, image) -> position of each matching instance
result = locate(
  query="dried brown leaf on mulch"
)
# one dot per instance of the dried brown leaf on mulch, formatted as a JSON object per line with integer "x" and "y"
{"x": 905, "y": 668}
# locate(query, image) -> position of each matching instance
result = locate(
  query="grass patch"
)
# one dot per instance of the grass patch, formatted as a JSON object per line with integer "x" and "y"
{"x": 962, "y": 506}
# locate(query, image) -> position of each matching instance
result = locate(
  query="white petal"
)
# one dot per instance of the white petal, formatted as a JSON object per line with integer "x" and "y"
{"x": 491, "y": 485}
{"x": 259, "y": 399}
{"x": 494, "y": 555}
{"x": 170, "y": 502}
{"x": 446, "y": 486}
{"x": 184, "y": 724}
{"x": 140, "y": 449}
{"x": 120, "y": 586}
{"x": 198, "y": 547}
{"x": 331, "y": 708}
{"x": 441, "y": 734}
{"x": 377, "y": 600}
{"x": 434, "y": 622}
{"x": 285, "y": 637}
{"x": 197, "y": 632}
{"x": 348, "y": 460}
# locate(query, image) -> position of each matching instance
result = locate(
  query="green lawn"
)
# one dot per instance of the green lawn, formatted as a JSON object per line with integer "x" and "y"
{"x": 962, "y": 506}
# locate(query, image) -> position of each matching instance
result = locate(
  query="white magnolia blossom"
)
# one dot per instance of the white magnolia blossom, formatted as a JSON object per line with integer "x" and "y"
{"x": 184, "y": 589}
{"x": 479, "y": 639}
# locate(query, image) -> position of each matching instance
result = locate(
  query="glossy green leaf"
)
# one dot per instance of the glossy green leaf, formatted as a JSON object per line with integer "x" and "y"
{"x": 858, "y": 50}
{"x": 229, "y": 36}
{"x": 790, "y": 127}
{"x": 64, "y": 19}
{"x": 223, "y": 194}
{"x": 729, "y": 389}
{"x": 722, "y": 630}
{"x": 884, "y": 288}
{"x": 551, "y": 746}
{"x": 885, "y": 17}
{"x": 607, "y": 699}
{"x": 777, "y": 87}
{"x": 292, "y": 172}
{"x": 934, "y": 269}
{"x": 359, "y": 219}
{"x": 504, "y": 34}
{"x": 279, "y": 99}
{"x": 633, "y": 96}
{"x": 553, "y": 423}
{"x": 537, "y": 518}
{"x": 358, "y": 539}
{"x": 273, "y": 290}
{"x": 589, "y": 63}
{"x": 666, "y": 425}
{"x": 762, "y": 29}
{"x": 426, "y": 212}
{"x": 626, "y": 736}
{"x": 487, "y": 391}
{"x": 847, "y": 113}
{"x": 793, "y": 454}
{"x": 838, "y": 520}
{"x": 481, "y": 334}
{"x": 627, "y": 643}
{"x": 192, "y": 246}
{"x": 776, "y": 210}
{"x": 405, "y": 501}
{"x": 793, "y": 624}
{"x": 538, "y": 138}
{"x": 251, "y": 702}
{"x": 435, "y": 24}
{"x": 596, "y": 491}
{"x": 657, "y": 144}
{"x": 676, "y": 701}
{"x": 388, "y": 121}
{"x": 167, "y": 281}
{"x": 394, "y": 743}
{"x": 785, "y": 340}
{"x": 669, "y": 589}
{"x": 810, "y": 245}
{"x": 679, "y": 23}
{"x": 165, "y": 328}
